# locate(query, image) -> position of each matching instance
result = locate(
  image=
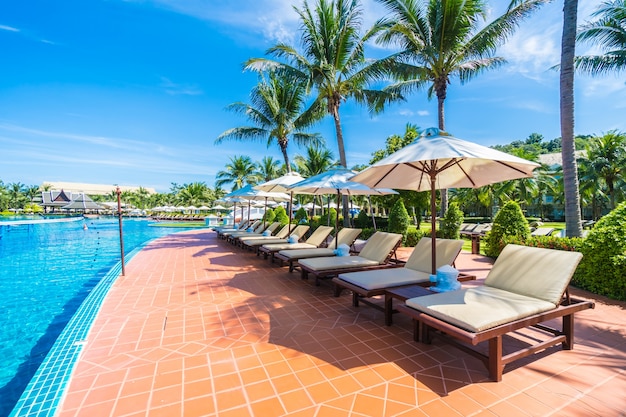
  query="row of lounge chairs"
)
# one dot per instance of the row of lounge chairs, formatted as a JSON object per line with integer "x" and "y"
{"x": 526, "y": 287}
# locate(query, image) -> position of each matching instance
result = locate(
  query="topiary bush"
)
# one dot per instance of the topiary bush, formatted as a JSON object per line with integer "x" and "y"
{"x": 329, "y": 217}
{"x": 366, "y": 233}
{"x": 269, "y": 215}
{"x": 509, "y": 221}
{"x": 412, "y": 237}
{"x": 363, "y": 220}
{"x": 603, "y": 267}
{"x": 281, "y": 215}
{"x": 399, "y": 219}
{"x": 451, "y": 223}
{"x": 301, "y": 215}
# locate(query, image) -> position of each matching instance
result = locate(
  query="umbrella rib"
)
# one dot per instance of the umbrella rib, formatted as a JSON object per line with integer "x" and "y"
{"x": 512, "y": 167}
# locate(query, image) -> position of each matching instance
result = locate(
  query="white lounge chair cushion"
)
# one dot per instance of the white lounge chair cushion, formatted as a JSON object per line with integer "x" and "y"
{"x": 385, "y": 278}
{"x": 336, "y": 262}
{"x": 479, "y": 308}
{"x": 307, "y": 253}
{"x": 285, "y": 246}
{"x": 259, "y": 242}
{"x": 421, "y": 258}
{"x": 535, "y": 272}
{"x": 379, "y": 246}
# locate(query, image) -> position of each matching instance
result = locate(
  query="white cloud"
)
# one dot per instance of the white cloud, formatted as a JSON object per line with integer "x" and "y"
{"x": 174, "y": 89}
{"x": 9, "y": 28}
{"x": 423, "y": 113}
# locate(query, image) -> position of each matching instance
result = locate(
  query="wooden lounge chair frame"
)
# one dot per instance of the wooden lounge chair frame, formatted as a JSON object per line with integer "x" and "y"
{"x": 362, "y": 294}
{"x": 388, "y": 262}
{"x": 427, "y": 326}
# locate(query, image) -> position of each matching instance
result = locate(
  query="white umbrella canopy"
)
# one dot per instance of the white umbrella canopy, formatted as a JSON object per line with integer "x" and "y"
{"x": 436, "y": 160}
{"x": 280, "y": 185}
{"x": 250, "y": 193}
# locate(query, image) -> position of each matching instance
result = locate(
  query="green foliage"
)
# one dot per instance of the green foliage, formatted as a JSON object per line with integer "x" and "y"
{"x": 332, "y": 213}
{"x": 281, "y": 215}
{"x": 509, "y": 221}
{"x": 398, "y": 218}
{"x": 269, "y": 215}
{"x": 366, "y": 233}
{"x": 451, "y": 223}
{"x": 300, "y": 215}
{"x": 603, "y": 267}
{"x": 548, "y": 242}
{"x": 362, "y": 220}
{"x": 412, "y": 237}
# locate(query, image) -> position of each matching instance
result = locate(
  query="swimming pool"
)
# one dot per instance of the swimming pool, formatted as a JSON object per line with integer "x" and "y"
{"x": 46, "y": 271}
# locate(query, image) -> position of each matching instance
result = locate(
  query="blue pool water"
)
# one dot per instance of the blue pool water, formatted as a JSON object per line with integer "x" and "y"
{"x": 46, "y": 271}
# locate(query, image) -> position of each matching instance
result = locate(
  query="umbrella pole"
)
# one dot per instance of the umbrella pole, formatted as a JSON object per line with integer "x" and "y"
{"x": 328, "y": 213}
{"x": 433, "y": 223}
{"x": 248, "y": 211}
{"x": 290, "y": 210}
{"x": 369, "y": 199}
{"x": 119, "y": 216}
{"x": 337, "y": 219}
{"x": 264, "y": 216}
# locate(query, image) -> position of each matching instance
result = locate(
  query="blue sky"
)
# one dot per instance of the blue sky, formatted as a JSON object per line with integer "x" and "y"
{"x": 133, "y": 92}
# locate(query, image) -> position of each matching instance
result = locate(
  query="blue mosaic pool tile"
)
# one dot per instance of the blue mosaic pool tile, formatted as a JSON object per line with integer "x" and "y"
{"x": 45, "y": 390}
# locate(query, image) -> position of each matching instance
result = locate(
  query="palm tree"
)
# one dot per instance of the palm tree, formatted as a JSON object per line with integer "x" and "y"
{"x": 573, "y": 224}
{"x": 609, "y": 34}
{"x": 333, "y": 61}
{"x": 317, "y": 160}
{"x": 194, "y": 194}
{"x": 16, "y": 195}
{"x": 239, "y": 171}
{"x": 607, "y": 157}
{"x": 269, "y": 168}
{"x": 276, "y": 112}
{"x": 441, "y": 40}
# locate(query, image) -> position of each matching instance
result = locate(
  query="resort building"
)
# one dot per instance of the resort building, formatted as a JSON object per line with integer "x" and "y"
{"x": 90, "y": 189}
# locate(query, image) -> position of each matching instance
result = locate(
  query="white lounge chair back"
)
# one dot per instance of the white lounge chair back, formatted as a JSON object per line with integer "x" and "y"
{"x": 346, "y": 235}
{"x": 260, "y": 228}
{"x": 272, "y": 227}
{"x": 379, "y": 246}
{"x": 300, "y": 230}
{"x": 283, "y": 233}
{"x": 319, "y": 236}
{"x": 534, "y": 272}
{"x": 421, "y": 259}
{"x": 253, "y": 225}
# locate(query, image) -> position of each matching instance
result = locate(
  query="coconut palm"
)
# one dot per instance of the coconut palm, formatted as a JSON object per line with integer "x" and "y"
{"x": 269, "y": 168}
{"x": 573, "y": 224}
{"x": 317, "y": 160}
{"x": 276, "y": 111}
{"x": 608, "y": 33}
{"x": 444, "y": 39}
{"x": 194, "y": 194}
{"x": 607, "y": 157}
{"x": 239, "y": 172}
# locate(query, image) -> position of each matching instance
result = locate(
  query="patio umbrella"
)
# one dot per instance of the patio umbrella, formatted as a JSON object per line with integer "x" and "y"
{"x": 436, "y": 160}
{"x": 250, "y": 193}
{"x": 280, "y": 185}
{"x": 335, "y": 181}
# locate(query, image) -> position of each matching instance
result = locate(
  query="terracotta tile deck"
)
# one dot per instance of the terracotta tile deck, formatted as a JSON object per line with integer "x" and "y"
{"x": 199, "y": 328}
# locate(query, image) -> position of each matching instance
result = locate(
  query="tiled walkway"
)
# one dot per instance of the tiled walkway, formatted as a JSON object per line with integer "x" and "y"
{"x": 198, "y": 328}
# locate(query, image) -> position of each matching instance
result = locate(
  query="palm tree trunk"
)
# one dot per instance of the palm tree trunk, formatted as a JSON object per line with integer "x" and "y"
{"x": 283, "y": 149}
{"x": 342, "y": 159}
{"x": 573, "y": 224}
{"x": 441, "y": 98}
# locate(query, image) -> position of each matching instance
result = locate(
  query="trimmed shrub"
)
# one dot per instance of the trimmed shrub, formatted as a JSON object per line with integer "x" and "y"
{"x": 366, "y": 233}
{"x": 301, "y": 215}
{"x": 363, "y": 220}
{"x": 281, "y": 215}
{"x": 509, "y": 222}
{"x": 269, "y": 215}
{"x": 451, "y": 223}
{"x": 603, "y": 267}
{"x": 332, "y": 213}
{"x": 412, "y": 237}
{"x": 399, "y": 219}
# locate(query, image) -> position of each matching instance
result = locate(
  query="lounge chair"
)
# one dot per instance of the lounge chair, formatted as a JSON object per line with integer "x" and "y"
{"x": 268, "y": 231}
{"x": 224, "y": 234}
{"x": 241, "y": 227}
{"x": 416, "y": 270}
{"x": 376, "y": 253}
{"x": 317, "y": 239}
{"x": 256, "y": 231}
{"x": 542, "y": 231}
{"x": 525, "y": 288}
{"x": 345, "y": 236}
{"x": 256, "y": 242}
